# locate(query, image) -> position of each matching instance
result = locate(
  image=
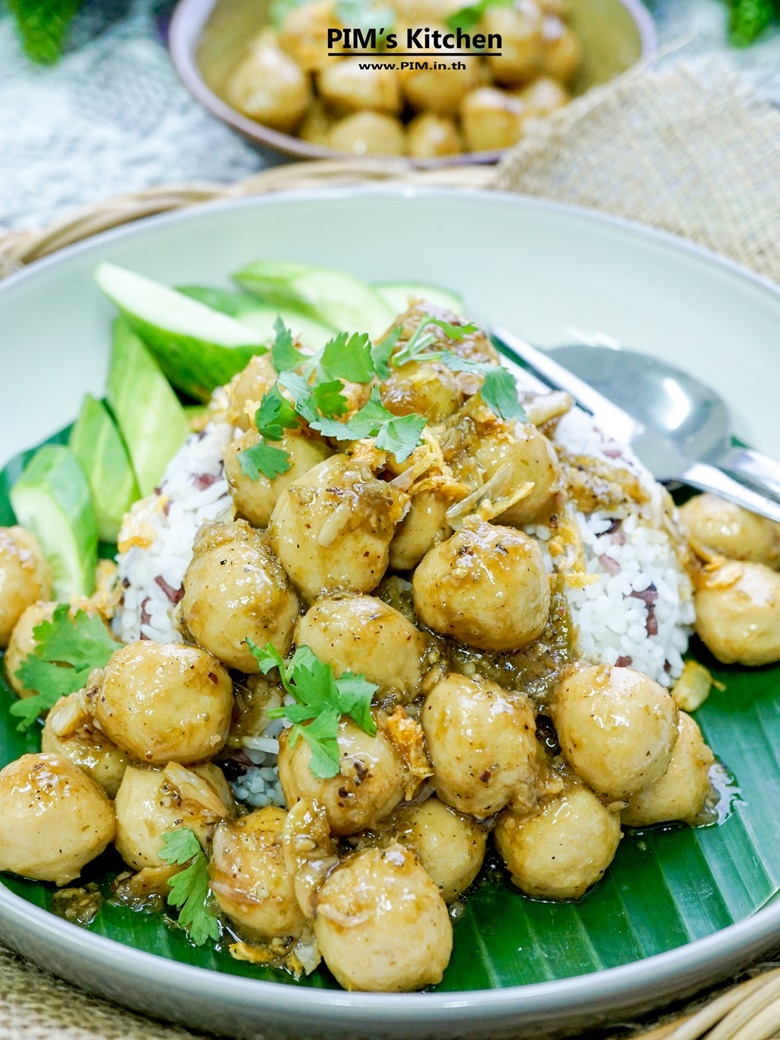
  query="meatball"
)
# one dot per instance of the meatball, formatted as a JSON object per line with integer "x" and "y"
{"x": 482, "y": 448}
{"x": 382, "y": 924}
{"x": 544, "y": 96}
{"x": 150, "y": 802}
{"x": 246, "y": 390}
{"x": 70, "y": 732}
{"x": 561, "y": 51}
{"x": 428, "y": 389}
{"x": 617, "y": 728}
{"x": 485, "y": 586}
{"x": 738, "y": 613}
{"x": 22, "y": 643}
{"x": 332, "y": 528}
{"x": 304, "y": 32}
{"x": 714, "y": 525}
{"x": 492, "y": 119}
{"x": 255, "y": 499}
{"x": 432, "y": 136}
{"x": 681, "y": 793}
{"x": 369, "y": 785}
{"x": 521, "y": 42}
{"x": 564, "y": 849}
{"x": 347, "y": 85}
{"x": 437, "y": 90}
{"x": 368, "y": 133}
{"x": 424, "y": 526}
{"x": 24, "y": 577}
{"x": 164, "y": 701}
{"x": 234, "y": 590}
{"x": 449, "y": 845}
{"x": 269, "y": 86}
{"x": 53, "y": 819}
{"x": 249, "y": 877}
{"x": 361, "y": 634}
{"x": 482, "y": 742}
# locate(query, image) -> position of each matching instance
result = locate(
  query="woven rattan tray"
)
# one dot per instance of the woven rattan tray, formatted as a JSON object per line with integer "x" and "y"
{"x": 749, "y": 1010}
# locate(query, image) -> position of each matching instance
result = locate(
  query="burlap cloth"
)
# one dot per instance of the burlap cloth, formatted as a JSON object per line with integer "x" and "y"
{"x": 689, "y": 149}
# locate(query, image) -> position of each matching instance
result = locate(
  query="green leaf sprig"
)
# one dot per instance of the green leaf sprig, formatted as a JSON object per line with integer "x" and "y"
{"x": 189, "y": 889}
{"x": 316, "y": 384}
{"x": 67, "y": 648}
{"x": 320, "y": 701}
{"x": 498, "y": 389}
{"x": 467, "y": 17}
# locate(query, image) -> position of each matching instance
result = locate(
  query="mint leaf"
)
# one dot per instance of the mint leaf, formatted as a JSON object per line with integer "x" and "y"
{"x": 263, "y": 458}
{"x": 189, "y": 889}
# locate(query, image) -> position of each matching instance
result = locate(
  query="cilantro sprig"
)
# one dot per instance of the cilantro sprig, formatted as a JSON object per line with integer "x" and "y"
{"x": 498, "y": 388}
{"x": 189, "y": 888}
{"x": 315, "y": 383}
{"x": 67, "y": 648}
{"x": 320, "y": 701}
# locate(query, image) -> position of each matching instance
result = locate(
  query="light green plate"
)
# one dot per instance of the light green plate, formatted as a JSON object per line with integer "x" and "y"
{"x": 544, "y": 271}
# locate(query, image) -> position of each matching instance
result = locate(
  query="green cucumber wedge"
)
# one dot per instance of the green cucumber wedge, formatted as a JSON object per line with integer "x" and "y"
{"x": 53, "y": 500}
{"x": 261, "y": 316}
{"x": 150, "y": 417}
{"x": 332, "y": 297}
{"x": 101, "y": 452}
{"x": 196, "y": 347}
{"x": 398, "y": 294}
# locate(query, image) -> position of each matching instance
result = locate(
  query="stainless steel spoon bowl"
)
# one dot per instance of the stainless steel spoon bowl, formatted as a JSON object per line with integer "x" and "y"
{"x": 674, "y": 404}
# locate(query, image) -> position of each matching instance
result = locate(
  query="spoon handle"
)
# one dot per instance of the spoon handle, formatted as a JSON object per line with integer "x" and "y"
{"x": 709, "y": 478}
{"x": 753, "y": 466}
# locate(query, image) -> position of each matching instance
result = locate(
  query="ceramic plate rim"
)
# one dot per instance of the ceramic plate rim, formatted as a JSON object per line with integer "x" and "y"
{"x": 657, "y": 973}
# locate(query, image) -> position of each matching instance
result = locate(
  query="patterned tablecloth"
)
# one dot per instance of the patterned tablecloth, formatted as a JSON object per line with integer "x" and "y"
{"x": 112, "y": 116}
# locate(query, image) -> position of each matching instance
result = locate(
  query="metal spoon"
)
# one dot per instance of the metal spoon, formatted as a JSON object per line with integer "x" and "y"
{"x": 670, "y": 402}
{"x": 655, "y": 444}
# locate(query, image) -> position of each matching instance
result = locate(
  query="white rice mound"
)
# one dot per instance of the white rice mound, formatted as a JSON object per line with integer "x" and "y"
{"x": 637, "y": 608}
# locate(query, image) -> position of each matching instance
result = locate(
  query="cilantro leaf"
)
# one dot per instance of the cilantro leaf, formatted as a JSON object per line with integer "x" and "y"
{"x": 263, "y": 458}
{"x": 189, "y": 889}
{"x": 381, "y": 352}
{"x": 321, "y": 734}
{"x": 499, "y": 392}
{"x": 467, "y": 17}
{"x": 275, "y": 415}
{"x": 67, "y": 648}
{"x": 328, "y": 399}
{"x": 348, "y": 357}
{"x": 399, "y": 434}
{"x": 420, "y": 340}
{"x": 320, "y": 700}
{"x": 355, "y": 693}
{"x": 284, "y": 354}
{"x": 363, "y": 14}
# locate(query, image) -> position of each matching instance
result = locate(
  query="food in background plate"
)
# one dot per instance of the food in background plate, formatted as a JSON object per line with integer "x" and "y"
{"x": 381, "y": 105}
{"x": 453, "y": 610}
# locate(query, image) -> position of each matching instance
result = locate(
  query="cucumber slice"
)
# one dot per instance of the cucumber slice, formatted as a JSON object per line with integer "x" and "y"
{"x": 332, "y": 297}
{"x": 398, "y": 294}
{"x": 196, "y": 347}
{"x": 100, "y": 450}
{"x": 148, "y": 413}
{"x": 52, "y": 499}
{"x": 261, "y": 316}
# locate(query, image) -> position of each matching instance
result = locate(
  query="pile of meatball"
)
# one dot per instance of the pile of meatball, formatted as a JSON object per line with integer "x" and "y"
{"x": 287, "y": 81}
{"x": 364, "y": 867}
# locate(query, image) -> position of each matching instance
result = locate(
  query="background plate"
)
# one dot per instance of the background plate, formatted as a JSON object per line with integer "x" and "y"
{"x": 542, "y": 270}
